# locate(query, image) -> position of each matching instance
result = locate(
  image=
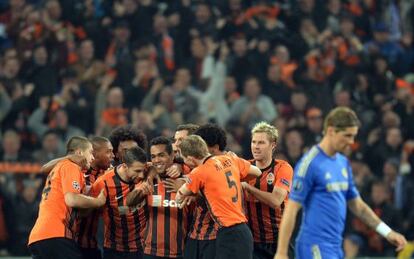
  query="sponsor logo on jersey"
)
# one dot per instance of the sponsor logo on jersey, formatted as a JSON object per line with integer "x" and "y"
{"x": 337, "y": 186}
{"x": 157, "y": 201}
{"x": 169, "y": 203}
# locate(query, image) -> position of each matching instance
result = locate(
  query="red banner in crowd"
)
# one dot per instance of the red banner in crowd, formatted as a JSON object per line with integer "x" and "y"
{"x": 22, "y": 167}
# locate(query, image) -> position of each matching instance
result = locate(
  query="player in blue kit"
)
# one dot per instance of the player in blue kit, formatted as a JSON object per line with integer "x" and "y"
{"x": 324, "y": 188}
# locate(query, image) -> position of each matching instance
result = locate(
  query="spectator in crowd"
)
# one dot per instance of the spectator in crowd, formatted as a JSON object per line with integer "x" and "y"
{"x": 390, "y": 147}
{"x": 5, "y": 103}
{"x": 164, "y": 44}
{"x": 88, "y": 68}
{"x": 51, "y": 148}
{"x": 382, "y": 44}
{"x": 293, "y": 142}
{"x": 314, "y": 124}
{"x": 25, "y": 209}
{"x": 186, "y": 98}
{"x": 297, "y": 109}
{"x": 109, "y": 102}
{"x": 213, "y": 104}
{"x": 241, "y": 63}
{"x": 76, "y": 101}
{"x": 143, "y": 121}
{"x": 119, "y": 53}
{"x": 42, "y": 119}
{"x": 41, "y": 72}
{"x": 145, "y": 73}
{"x": 160, "y": 103}
{"x": 253, "y": 106}
{"x": 275, "y": 87}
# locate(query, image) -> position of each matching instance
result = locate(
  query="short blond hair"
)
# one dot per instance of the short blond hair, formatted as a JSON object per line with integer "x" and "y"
{"x": 264, "y": 127}
{"x": 195, "y": 146}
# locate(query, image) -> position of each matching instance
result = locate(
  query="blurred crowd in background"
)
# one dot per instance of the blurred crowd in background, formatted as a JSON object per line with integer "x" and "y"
{"x": 85, "y": 67}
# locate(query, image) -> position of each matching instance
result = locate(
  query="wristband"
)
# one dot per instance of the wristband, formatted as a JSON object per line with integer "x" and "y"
{"x": 383, "y": 229}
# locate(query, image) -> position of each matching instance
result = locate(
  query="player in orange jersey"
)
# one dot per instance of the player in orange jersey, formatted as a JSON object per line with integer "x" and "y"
{"x": 103, "y": 154}
{"x": 201, "y": 242}
{"x": 55, "y": 231}
{"x": 217, "y": 179}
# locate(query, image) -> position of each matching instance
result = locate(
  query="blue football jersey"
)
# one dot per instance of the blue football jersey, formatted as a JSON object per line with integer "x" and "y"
{"x": 322, "y": 185}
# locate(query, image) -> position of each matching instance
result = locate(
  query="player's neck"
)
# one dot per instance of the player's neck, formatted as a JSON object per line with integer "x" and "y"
{"x": 201, "y": 161}
{"x": 264, "y": 163}
{"x": 326, "y": 146}
{"x": 122, "y": 173}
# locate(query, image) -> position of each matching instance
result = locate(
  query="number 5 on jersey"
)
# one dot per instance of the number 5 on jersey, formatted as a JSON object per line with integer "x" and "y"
{"x": 231, "y": 183}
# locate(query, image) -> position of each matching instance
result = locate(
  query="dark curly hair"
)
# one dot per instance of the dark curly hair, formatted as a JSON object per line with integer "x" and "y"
{"x": 212, "y": 134}
{"x": 127, "y": 132}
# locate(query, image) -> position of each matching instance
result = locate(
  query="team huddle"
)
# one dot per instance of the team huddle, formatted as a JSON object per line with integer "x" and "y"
{"x": 189, "y": 198}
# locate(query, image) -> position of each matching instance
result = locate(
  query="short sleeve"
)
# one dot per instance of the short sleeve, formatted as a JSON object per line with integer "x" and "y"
{"x": 284, "y": 176}
{"x": 71, "y": 178}
{"x": 302, "y": 183}
{"x": 352, "y": 192}
{"x": 243, "y": 166}
{"x": 196, "y": 180}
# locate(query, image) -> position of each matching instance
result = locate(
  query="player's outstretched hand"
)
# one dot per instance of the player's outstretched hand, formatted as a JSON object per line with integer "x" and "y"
{"x": 188, "y": 200}
{"x": 145, "y": 188}
{"x": 179, "y": 198}
{"x": 174, "y": 171}
{"x": 397, "y": 239}
{"x": 280, "y": 256}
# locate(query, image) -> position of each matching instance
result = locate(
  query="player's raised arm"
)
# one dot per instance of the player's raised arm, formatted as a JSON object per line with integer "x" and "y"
{"x": 365, "y": 213}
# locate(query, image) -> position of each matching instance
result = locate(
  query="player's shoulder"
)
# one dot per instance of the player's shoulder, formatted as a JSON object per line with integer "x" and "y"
{"x": 282, "y": 165}
{"x": 106, "y": 176}
{"x": 66, "y": 164}
{"x": 281, "y": 162}
{"x": 308, "y": 162}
